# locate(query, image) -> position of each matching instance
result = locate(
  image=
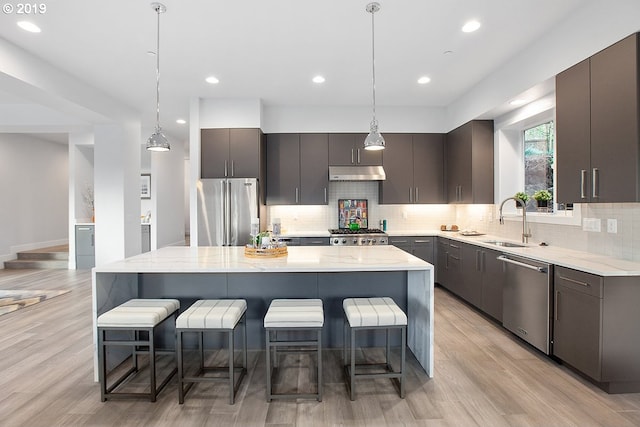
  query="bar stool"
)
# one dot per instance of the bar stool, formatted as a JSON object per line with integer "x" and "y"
{"x": 135, "y": 316}
{"x": 293, "y": 315}
{"x": 212, "y": 316}
{"x": 373, "y": 313}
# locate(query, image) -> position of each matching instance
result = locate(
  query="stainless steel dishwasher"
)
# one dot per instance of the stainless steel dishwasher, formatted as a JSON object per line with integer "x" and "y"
{"x": 526, "y": 299}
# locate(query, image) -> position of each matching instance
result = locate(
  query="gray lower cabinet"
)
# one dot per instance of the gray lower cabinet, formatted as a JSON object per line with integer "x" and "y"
{"x": 450, "y": 265}
{"x": 146, "y": 237}
{"x": 483, "y": 279}
{"x": 314, "y": 241}
{"x": 85, "y": 247}
{"x": 297, "y": 169}
{"x": 595, "y": 327}
{"x": 420, "y": 246}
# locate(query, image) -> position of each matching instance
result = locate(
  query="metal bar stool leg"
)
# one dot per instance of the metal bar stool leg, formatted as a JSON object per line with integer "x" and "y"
{"x": 152, "y": 365}
{"x": 268, "y": 363}
{"x": 231, "y": 375}
{"x": 319, "y": 380}
{"x": 403, "y": 361}
{"x": 352, "y": 376}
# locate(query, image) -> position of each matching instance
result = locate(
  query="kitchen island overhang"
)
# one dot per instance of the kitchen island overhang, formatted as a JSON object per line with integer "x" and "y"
{"x": 327, "y": 272}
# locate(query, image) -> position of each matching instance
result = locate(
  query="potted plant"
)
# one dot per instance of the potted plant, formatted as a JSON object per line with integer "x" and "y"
{"x": 542, "y": 198}
{"x": 522, "y": 196}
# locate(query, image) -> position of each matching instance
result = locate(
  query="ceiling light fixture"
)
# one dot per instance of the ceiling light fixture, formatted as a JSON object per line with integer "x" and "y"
{"x": 29, "y": 26}
{"x": 212, "y": 80}
{"x": 373, "y": 141}
{"x": 518, "y": 101}
{"x": 470, "y": 26}
{"x": 157, "y": 141}
{"x": 318, "y": 79}
{"x": 424, "y": 80}
{"x": 181, "y": 121}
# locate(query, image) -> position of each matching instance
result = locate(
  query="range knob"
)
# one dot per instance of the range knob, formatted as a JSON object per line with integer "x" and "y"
{"x": 344, "y": 241}
{"x": 335, "y": 241}
{"x": 355, "y": 241}
{"x": 373, "y": 241}
{"x": 363, "y": 241}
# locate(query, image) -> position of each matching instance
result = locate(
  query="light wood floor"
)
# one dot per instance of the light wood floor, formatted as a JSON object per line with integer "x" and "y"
{"x": 483, "y": 377}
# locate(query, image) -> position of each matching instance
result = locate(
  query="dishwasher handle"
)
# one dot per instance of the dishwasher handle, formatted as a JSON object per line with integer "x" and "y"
{"x": 522, "y": 264}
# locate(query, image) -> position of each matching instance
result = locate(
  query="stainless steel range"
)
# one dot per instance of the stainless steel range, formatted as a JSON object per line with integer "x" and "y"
{"x": 361, "y": 237}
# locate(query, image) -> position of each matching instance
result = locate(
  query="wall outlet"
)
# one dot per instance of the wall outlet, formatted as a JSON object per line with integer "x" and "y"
{"x": 591, "y": 224}
{"x": 612, "y": 225}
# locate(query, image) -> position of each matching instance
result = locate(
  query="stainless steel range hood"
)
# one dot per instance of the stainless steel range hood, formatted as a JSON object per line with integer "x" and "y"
{"x": 356, "y": 173}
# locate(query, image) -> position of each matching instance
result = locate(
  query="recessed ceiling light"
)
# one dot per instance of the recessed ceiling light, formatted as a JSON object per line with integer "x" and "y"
{"x": 29, "y": 26}
{"x": 318, "y": 79}
{"x": 181, "y": 121}
{"x": 424, "y": 80}
{"x": 470, "y": 26}
{"x": 518, "y": 101}
{"x": 447, "y": 52}
{"x": 212, "y": 80}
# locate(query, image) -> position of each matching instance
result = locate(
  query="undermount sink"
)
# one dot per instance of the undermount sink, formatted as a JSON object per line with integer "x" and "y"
{"x": 505, "y": 244}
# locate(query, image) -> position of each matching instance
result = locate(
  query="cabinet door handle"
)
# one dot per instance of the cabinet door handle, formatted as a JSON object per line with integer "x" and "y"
{"x": 455, "y": 257}
{"x": 93, "y": 239}
{"x": 398, "y": 241}
{"x": 352, "y": 162}
{"x": 232, "y": 164}
{"x": 595, "y": 183}
{"x": 416, "y": 194}
{"x": 577, "y": 282}
{"x": 297, "y": 194}
{"x": 325, "y": 195}
{"x": 358, "y": 156}
{"x": 225, "y": 168}
{"x": 422, "y": 241}
{"x": 410, "y": 195}
{"x": 454, "y": 246}
{"x": 583, "y": 179}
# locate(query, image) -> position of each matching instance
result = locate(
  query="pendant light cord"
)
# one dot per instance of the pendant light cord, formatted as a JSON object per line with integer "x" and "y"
{"x": 373, "y": 62}
{"x": 158, "y": 10}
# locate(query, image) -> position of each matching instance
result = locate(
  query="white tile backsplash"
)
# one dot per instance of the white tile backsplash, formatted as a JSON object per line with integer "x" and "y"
{"x": 624, "y": 244}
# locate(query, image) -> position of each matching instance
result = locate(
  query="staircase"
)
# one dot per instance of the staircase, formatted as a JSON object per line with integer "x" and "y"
{"x": 54, "y": 257}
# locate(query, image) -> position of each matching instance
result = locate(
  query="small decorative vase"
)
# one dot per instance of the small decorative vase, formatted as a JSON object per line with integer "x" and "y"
{"x": 543, "y": 205}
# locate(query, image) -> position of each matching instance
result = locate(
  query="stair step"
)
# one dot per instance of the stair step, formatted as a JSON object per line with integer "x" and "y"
{"x": 39, "y": 264}
{"x": 43, "y": 256}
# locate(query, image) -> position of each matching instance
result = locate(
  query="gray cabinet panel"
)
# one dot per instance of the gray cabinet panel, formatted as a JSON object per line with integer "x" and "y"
{"x": 214, "y": 153}
{"x": 314, "y": 169}
{"x": 470, "y": 288}
{"x": 146, "y": 237}
{"x": 573, "y": 131}
{"x": 346, "y": 149}
{"x": 297, "y": 169}
{"x": 428, "y": 168}
{"x": 233, "y": 153}
{"x": 469, "y": 163}
{"x": 492, "y": 284}
{"x": 397, "y": 160}
{"x": 85, "y": 247}
{"x": 598, "y": 127}
{"x": 283, "y": 169}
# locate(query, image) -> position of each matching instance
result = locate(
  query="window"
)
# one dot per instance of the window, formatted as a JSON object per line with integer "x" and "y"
{"x": 538, "y": 151}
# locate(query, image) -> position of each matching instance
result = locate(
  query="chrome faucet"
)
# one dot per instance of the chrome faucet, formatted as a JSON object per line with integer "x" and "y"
{"x": 525, "y": 234}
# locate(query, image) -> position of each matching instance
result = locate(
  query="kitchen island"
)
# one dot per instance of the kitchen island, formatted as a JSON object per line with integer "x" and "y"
{"x": 327, "y": 272}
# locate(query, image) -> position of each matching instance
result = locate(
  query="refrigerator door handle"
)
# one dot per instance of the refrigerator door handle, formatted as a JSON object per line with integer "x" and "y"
{"x": 227, "y": 225}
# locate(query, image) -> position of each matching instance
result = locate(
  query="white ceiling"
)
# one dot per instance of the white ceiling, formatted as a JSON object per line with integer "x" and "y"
{"x": 270, "y": 49}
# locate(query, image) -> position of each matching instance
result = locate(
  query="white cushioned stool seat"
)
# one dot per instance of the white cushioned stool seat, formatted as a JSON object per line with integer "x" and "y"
{"x": 362, "y": 314}
{"x": 138, "y": 313}
{"x": 133, "y": 324}
{"x": 373, "y": 312}
{"x": 294, "y": 313}
{"x": 212, "y": 314}
{"x": 293, "y": 318}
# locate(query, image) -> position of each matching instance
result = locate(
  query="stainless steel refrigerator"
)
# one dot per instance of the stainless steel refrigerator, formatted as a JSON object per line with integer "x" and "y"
{"x": 225, "y": 209}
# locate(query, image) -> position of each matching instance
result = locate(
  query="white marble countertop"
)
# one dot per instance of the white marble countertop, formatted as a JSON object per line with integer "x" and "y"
{"x": 210, "y": 259}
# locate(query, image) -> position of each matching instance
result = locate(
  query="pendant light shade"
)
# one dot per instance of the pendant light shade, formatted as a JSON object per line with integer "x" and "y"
{"x": 157, "y": 141}
{"x": 373, "y": 141}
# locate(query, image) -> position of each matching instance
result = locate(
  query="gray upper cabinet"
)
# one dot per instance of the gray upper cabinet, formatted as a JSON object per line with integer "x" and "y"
{"x": 469, "y": 163}
{"x": 233, "y": 153}
{"x": 413, "y": 164}
{"x": 297, "y": 169}
{"x": 597, "y": 110}
{"x": 347, "y": 149}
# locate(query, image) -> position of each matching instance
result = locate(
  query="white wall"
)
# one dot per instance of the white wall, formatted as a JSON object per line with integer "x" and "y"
{"x": 34, "y": 189}
{"x": 167, "y": 196}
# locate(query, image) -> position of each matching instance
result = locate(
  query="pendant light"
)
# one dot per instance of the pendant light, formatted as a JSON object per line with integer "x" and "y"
{"x": 374, "y": 140}
{"x": 157, "y": 141}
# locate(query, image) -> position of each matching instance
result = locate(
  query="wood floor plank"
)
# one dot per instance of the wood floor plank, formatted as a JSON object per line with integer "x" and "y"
{"x": 483, "y": 376}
